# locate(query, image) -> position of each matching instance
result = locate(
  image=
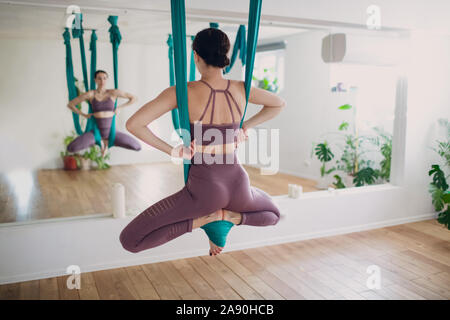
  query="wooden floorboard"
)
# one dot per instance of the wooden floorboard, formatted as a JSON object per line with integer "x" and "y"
{"x": 80, "y": 193}
{"x": 413, "y": 260}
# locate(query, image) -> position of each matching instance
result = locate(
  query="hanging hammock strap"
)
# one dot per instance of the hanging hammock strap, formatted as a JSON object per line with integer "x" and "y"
{"x": 115, "y": 37}
{"x": 179, "y": 43}
{"x": 78, "y": 33}
{"x": 174, "y": 112}
{"x": 252, "y": 39}
{"x": 71, "y": 80}
{"x": 239, "y": 45}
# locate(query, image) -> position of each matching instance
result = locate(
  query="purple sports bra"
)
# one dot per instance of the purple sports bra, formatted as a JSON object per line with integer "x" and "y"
{"x": 219, "y": 133}
{"x": 104, "y": 105}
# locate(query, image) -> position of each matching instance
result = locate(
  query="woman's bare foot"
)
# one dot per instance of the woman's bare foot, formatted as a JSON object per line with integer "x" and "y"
{"x": 215, "y": 216}
{"x": 221, "y": 214}
{"x": 232, "y": 216}
{"x": 213, "y": 249}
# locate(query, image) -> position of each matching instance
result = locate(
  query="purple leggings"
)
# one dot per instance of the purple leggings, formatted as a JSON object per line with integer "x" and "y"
{"x": 209, "y": 188}
{"x": 104, "y": 124}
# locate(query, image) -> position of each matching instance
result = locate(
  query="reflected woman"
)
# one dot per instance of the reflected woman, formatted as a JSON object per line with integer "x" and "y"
{"x": 102, "y": 101}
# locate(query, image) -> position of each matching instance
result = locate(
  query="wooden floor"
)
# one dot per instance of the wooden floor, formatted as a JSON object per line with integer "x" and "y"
{"x": 44, "y": 194}
{"x": 414, "y": 262}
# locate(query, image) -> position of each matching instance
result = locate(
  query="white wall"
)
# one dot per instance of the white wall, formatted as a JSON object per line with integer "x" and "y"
{"x": 428, "y": 100}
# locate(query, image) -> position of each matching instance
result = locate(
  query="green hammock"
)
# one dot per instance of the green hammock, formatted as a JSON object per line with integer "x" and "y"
{"x": 115, "y": 39}
{"x": 175, "y": 114}
{"x": 214, "y": 25}
{"x": 179, "y": 46}
{"x": 239, "y": 45}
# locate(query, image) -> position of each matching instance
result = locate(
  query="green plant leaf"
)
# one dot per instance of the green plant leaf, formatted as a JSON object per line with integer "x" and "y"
{"x": 446, "y": 197}
{"x": 438, "y": 177}
{"x": 436, "y": 196}
{"x": 338, "y": 184}
{"x": 365, "y": 176}
{"x": 444, "y": 217}
{"x": 345, "y": 107}
{"x": 344, "y": 126}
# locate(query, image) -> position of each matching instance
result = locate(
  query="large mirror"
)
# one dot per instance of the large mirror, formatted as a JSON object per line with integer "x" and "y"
{"x": 336, "y": 130}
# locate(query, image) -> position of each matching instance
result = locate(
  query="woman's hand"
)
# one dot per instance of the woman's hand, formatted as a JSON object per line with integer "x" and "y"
{"x": 241, "y": 136}
{"x": 86, "y": 115}
{"x": 180, "y": 151}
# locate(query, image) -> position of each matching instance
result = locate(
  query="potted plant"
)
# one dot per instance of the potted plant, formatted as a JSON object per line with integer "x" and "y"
{"x": 85, "y": 160}
{"x": 324, "y": 154}
{"x": 95, "y": 156}
{"x": 266, "y": 83}
{"x": 439, "y": 189}
{"x": 71, "y": 161}
{"x": 359, "y": 171}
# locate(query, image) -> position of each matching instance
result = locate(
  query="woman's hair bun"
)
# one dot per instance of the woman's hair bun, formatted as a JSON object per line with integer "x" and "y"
{"x": 212, "y": 45}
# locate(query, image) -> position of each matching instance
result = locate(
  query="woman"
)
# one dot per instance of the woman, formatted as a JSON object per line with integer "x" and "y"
{"x": 213, "y": 191}
{"x": 102, "y": 101}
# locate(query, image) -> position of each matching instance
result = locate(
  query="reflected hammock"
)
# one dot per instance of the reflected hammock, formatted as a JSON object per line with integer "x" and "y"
{"x": 115, "y": 38}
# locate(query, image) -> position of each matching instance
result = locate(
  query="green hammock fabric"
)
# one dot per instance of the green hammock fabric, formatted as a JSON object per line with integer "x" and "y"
{"x": 192, "y": 67}
{"x": 252, "y": 39}
{"x": 115, "y": 38}
{"x": 179, "y": 44}
{"x": 239, "y": 45}
{"x": 214, "y": 25}
{"x": 70, "y": 78}
{"x": 91, "y": 125}
{"x": 93, "y": 49}
{"x": 175, "y": 113}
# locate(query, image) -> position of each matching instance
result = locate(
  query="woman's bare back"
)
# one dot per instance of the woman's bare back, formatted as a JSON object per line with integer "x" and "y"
{"x": 200, "y": 93}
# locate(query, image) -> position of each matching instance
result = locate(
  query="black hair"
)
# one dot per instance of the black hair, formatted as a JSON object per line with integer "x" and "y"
{"x": 212, "y": 45}
{"x": 99, "y": 71}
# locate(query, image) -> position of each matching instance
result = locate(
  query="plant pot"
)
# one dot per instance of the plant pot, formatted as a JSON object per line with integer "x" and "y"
{"x": 349, "y": 181}
{"x": 70, "y": 163}
{"x": 322, "y": 183}
{"x": 85, "y": 163}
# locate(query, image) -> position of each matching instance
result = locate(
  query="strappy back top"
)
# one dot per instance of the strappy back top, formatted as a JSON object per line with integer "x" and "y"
{"x": 213, "y": 137}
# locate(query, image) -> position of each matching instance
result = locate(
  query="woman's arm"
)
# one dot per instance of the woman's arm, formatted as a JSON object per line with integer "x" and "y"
{"x": 74, "y": 102}
{"x": 138, "y": 122}
{"x": 272, "y": 105}
{"x": 122, "y": 94}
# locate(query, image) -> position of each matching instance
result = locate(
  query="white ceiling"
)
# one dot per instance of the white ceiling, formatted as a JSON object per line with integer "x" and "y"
{"x": 46, "y": 20}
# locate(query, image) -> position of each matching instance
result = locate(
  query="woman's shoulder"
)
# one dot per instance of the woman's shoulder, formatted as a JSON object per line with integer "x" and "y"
{"x": 112, "y": 92}
{"x": 238, "y": 83}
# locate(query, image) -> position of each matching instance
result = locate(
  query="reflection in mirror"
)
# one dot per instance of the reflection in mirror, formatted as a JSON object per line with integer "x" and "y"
{"x": 341, "y": 91}
{"x": 336, "y": 130}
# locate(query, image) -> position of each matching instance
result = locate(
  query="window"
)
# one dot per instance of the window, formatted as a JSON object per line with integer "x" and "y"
{"x": 268, "y": 72}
